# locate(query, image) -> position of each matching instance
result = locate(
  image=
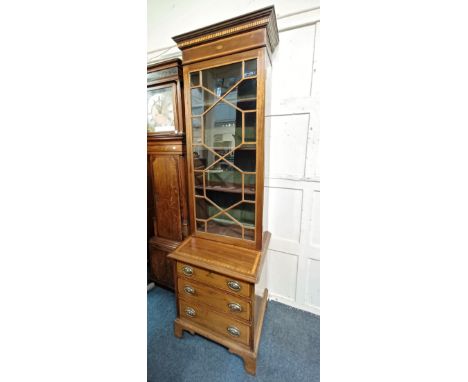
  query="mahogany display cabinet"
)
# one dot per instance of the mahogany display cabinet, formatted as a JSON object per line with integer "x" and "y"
{"x": 219, "y": 275}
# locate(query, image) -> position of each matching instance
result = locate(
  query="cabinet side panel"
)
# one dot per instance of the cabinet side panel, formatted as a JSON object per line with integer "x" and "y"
{"x": 189, "y": 156}
{"x": 184, "y": 213}
{"x": 262, "y": 62}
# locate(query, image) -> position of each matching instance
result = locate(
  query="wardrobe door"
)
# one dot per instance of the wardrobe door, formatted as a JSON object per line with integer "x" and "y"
{"x": 167, "y": 197}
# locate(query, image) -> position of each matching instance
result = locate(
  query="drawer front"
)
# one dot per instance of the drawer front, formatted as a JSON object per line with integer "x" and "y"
{"x": 223, "y": 302}
{"x": 214, "y": 279}
{"x": 215, "y": 322}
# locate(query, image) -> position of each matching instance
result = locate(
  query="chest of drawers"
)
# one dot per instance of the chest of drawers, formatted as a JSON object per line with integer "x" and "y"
{"x": 221, "y": 295}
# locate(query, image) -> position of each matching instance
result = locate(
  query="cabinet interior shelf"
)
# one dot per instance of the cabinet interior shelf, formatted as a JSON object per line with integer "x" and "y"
{"x": 234, "y": 190}
{"x": 248, "y": 146}
{"x": 207, "y": 105}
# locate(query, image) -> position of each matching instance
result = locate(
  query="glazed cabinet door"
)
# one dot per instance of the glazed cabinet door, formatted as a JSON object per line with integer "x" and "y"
{"x": 225, "y": 120}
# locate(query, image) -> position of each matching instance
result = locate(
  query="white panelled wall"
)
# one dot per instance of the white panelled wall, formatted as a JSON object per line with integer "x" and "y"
{"x": 292, "y": 177}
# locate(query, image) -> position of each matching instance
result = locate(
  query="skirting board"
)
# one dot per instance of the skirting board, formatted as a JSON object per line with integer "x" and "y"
{"x": 286, "y": 301}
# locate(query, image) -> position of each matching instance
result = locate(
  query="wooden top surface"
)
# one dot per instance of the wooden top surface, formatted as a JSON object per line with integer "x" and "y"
{"x": 261, "y": 18}
{"x": 242, "y": 263}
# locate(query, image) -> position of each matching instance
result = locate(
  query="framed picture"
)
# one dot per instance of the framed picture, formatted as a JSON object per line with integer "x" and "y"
{"x": 161, "y": 109}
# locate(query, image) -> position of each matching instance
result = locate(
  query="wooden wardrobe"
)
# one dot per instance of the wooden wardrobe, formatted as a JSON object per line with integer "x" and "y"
{"x": 168, "y": 220}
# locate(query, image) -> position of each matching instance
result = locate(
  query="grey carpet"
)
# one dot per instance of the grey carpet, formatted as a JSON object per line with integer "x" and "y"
{"x": 289, "y": 347}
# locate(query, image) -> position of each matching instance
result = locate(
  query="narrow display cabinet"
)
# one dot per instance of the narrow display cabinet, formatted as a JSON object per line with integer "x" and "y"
{"x": 219, "y": 268}
{"x": 168, "y": 220}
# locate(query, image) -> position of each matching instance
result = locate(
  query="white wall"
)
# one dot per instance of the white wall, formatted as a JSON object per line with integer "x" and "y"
{"x": 292, "y": 178}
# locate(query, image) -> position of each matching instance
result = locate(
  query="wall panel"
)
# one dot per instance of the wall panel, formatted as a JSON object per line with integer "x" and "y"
{"x": 313, "y": 159}
{"x": 312, "y": 298}
{"x": 287, "y": 138}
{"x": 285, "y": 207}
{"x": 292, "y": 75}
{"x": 284, "y": 264}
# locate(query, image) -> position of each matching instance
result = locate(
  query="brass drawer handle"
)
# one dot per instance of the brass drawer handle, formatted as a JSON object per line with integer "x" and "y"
{"x": 190, "y": 312}
{"x": 187, "y": 271}
{"x": 189, "y": 290}
{"x": 233, "y": 331}
{"x": 234, "y": 285}
{"x": 234, "y": 307}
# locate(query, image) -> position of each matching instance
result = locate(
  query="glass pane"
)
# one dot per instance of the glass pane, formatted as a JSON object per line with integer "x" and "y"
{"x": 250, "y": 124}
{"x": 249, "y": 234}
{"x": 244, "y": 157}
{"x": 201, "y": 100}
{"x": 200, "y": 226}
{"x": 249, "y": 186}
{"x": 223, "y": 198}
{"x": 160, "y": 110}
{"x": 222, "y": 175}
{"x": 198, "y": 183}
{"x": 203, "y": 158}
{"x": 195, "y": 79}
{"x": 250, "y": 68}
{"x": 222, "y": 151}
{"x": 205, "y": 209}
{"x": 219, "y": 80}
{"x": 249, "y": 196}
{"x": 223, "y": 225}
{"x": 223, "y": 127}
{"x": 244, "y": 213}
{"x": 244, "y": 96}
{"x": 196, "y": 130}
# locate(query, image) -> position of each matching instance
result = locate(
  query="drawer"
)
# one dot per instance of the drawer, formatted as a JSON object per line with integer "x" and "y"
{"x": 214, "y": 279}
{"x": 222, "y": 302}
{"x": 215, "y": 322}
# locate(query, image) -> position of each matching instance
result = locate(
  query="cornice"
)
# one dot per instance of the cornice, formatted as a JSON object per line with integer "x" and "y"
{"x": 262, "y": 18}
